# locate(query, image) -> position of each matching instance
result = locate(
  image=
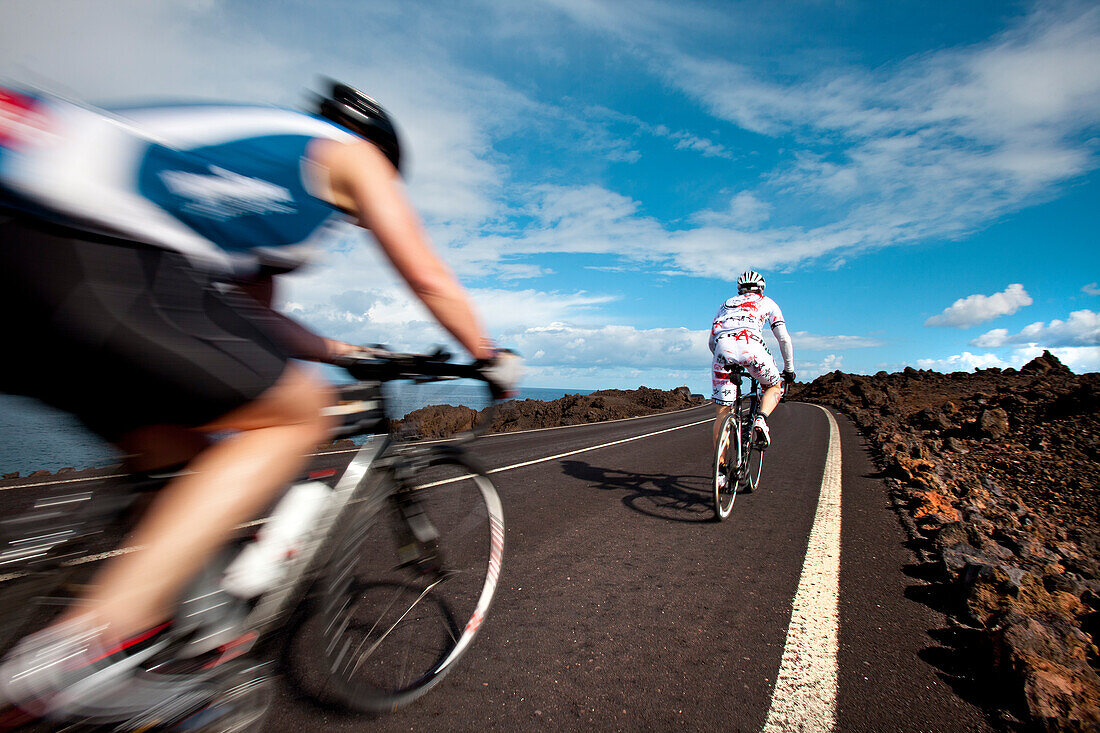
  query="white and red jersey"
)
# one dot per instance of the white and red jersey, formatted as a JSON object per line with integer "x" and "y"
{"x": 746, "y": 312}
{"x": 736, "y": 336}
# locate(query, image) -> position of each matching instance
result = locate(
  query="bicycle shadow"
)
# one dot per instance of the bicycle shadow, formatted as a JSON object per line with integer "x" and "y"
{"x": 671, "y": 497}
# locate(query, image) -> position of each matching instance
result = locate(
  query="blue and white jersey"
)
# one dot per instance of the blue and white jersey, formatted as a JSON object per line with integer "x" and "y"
{"x": 228, "y": 186}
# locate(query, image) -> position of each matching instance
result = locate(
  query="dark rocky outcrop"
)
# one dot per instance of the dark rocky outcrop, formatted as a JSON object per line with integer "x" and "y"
{"x": 996, "y": 473}
{"x": 439, "y": 421}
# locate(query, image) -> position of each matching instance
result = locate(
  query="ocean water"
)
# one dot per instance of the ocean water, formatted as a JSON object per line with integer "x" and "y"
{"x": 36, "y": 437}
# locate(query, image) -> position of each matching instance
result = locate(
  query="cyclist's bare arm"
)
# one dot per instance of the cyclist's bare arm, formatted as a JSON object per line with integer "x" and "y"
{"x": 364, "y": 183}
{"x": 303, "y": 342}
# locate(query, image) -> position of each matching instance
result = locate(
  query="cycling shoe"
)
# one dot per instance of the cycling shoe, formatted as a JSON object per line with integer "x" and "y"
{"x": 760, "y": 435}
{"x": 68, "y": 668}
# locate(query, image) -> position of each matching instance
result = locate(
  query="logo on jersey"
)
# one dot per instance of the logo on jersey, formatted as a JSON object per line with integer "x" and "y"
{"x": 227, "y": 195}
{"x": 21, "y": 119}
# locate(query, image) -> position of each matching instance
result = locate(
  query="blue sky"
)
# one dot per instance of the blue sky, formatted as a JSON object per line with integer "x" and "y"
{"x": 917, "y": 180}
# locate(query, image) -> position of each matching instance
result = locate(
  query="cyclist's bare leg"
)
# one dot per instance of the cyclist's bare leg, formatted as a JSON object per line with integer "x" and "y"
{"x": 770, "y": 399}
{"x": 720, "y": 415}
{"x": 191, "y": 517}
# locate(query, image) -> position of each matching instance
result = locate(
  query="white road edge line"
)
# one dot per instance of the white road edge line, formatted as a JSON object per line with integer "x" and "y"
{"x": 353, "y": 450}
{"x": 133, "y": 548}
{"x": 805, "y": 695}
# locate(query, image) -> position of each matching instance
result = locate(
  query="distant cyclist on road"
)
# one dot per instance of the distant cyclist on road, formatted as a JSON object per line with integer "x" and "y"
{"x": 736, "y": 337}
{"x": 121, "y": 235}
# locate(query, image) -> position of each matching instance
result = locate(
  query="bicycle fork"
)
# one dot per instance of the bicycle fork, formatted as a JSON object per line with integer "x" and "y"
{"x": 417, "y": 538}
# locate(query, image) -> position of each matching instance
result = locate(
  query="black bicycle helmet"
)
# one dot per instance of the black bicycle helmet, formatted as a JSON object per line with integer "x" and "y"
{"x": 350, "y": 108}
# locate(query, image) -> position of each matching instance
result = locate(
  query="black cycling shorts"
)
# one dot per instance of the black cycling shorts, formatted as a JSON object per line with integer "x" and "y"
{"x": 124, "y": 335}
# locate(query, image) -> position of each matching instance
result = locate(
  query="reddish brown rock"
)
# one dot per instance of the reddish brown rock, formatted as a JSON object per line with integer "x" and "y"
{"x": 993, "y": 423}
{"x": 1047, "y": 665}
{"x": 439, "y": 421}
{"x": 929, "y": 503}
{"x": 998, "y": 471}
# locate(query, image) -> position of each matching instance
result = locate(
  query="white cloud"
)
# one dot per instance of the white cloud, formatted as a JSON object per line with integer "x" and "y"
{"x": 1090, "y": 289}
{"x": 687, "y": 141}
{"x": 808, "y": 371}
{"x": 937, "y": 145}
{"x": 696, "y": 380}
{"x": 975, "y": 309}
{"x": 615, "y": 347}
{"x": 1082, "y": 328}
{"x": 336, "y": 300}
{"x": 964, "y": 362}
{"x": 1080, "y": 359}
{"x": 747, "y": 210}
{"x": 804, "y": 341}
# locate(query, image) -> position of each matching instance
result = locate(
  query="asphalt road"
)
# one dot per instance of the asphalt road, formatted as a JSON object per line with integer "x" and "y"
{"x": 623, "y": 606}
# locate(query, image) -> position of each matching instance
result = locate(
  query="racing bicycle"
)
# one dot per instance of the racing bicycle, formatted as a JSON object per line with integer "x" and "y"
{"x": 737, "y": 457}
{"x": 384, "y": 592}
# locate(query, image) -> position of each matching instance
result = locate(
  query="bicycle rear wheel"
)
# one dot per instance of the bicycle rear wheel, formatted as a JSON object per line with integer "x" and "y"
{"x": 408, "y": 588}
{"x": 727, "y": 456}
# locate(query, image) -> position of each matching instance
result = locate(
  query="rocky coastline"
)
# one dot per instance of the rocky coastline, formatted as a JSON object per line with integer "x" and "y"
{"x": 995, "y": 475}
{"x": 441, "y": 421}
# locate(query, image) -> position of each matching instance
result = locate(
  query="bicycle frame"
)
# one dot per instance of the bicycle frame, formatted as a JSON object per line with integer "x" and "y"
{"x": 738, "y": 372}
{"x": 272, "y": 604}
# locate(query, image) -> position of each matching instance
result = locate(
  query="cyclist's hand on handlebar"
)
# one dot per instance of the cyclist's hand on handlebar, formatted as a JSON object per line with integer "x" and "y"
{"x": 789, "y": 376}
{"x": 340, "y": 352}
{"x": 503, "y": 371}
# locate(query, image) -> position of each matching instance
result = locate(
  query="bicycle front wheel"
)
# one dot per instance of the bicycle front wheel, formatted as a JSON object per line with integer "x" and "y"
{"x": 727, "y": 456}
{"x": 752, "y": 469}
{"x": 408, "y": 588}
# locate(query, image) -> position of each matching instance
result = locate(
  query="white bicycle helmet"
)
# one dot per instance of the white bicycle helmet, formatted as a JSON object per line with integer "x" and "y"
{"x": 750, "y": 280}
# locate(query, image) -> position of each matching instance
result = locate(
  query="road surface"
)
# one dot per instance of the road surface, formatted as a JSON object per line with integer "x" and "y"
{"x": 624, "y": 606}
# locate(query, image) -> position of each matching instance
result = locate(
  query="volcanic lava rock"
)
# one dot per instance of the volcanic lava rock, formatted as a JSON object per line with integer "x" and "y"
{"x": 993, "y": 423}
{"x": 439, "y": 421}
{"x": 998, "y": 472}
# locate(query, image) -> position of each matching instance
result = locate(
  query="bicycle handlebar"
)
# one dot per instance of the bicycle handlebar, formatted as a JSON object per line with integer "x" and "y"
{"x": 377, "y": 364}
{"x": 381, "y": 365}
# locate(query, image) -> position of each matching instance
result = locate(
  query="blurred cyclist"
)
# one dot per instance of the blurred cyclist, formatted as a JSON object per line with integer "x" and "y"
{"x": 118, "y": 235}
{"x": 736, "y": 338}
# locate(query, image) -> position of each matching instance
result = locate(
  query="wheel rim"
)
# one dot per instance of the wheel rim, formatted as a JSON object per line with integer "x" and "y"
{"x": 400, "y": 610}
{"x": 756, "y": 467}
{"x": 728, "y": 446}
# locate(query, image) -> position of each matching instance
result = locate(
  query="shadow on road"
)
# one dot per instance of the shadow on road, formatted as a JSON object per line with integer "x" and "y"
{"x": 674, "y": 498}
{"x": 961, "y": 655}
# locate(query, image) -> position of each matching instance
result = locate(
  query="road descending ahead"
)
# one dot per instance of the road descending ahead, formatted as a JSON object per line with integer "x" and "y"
{"x": 624, "y": 606}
